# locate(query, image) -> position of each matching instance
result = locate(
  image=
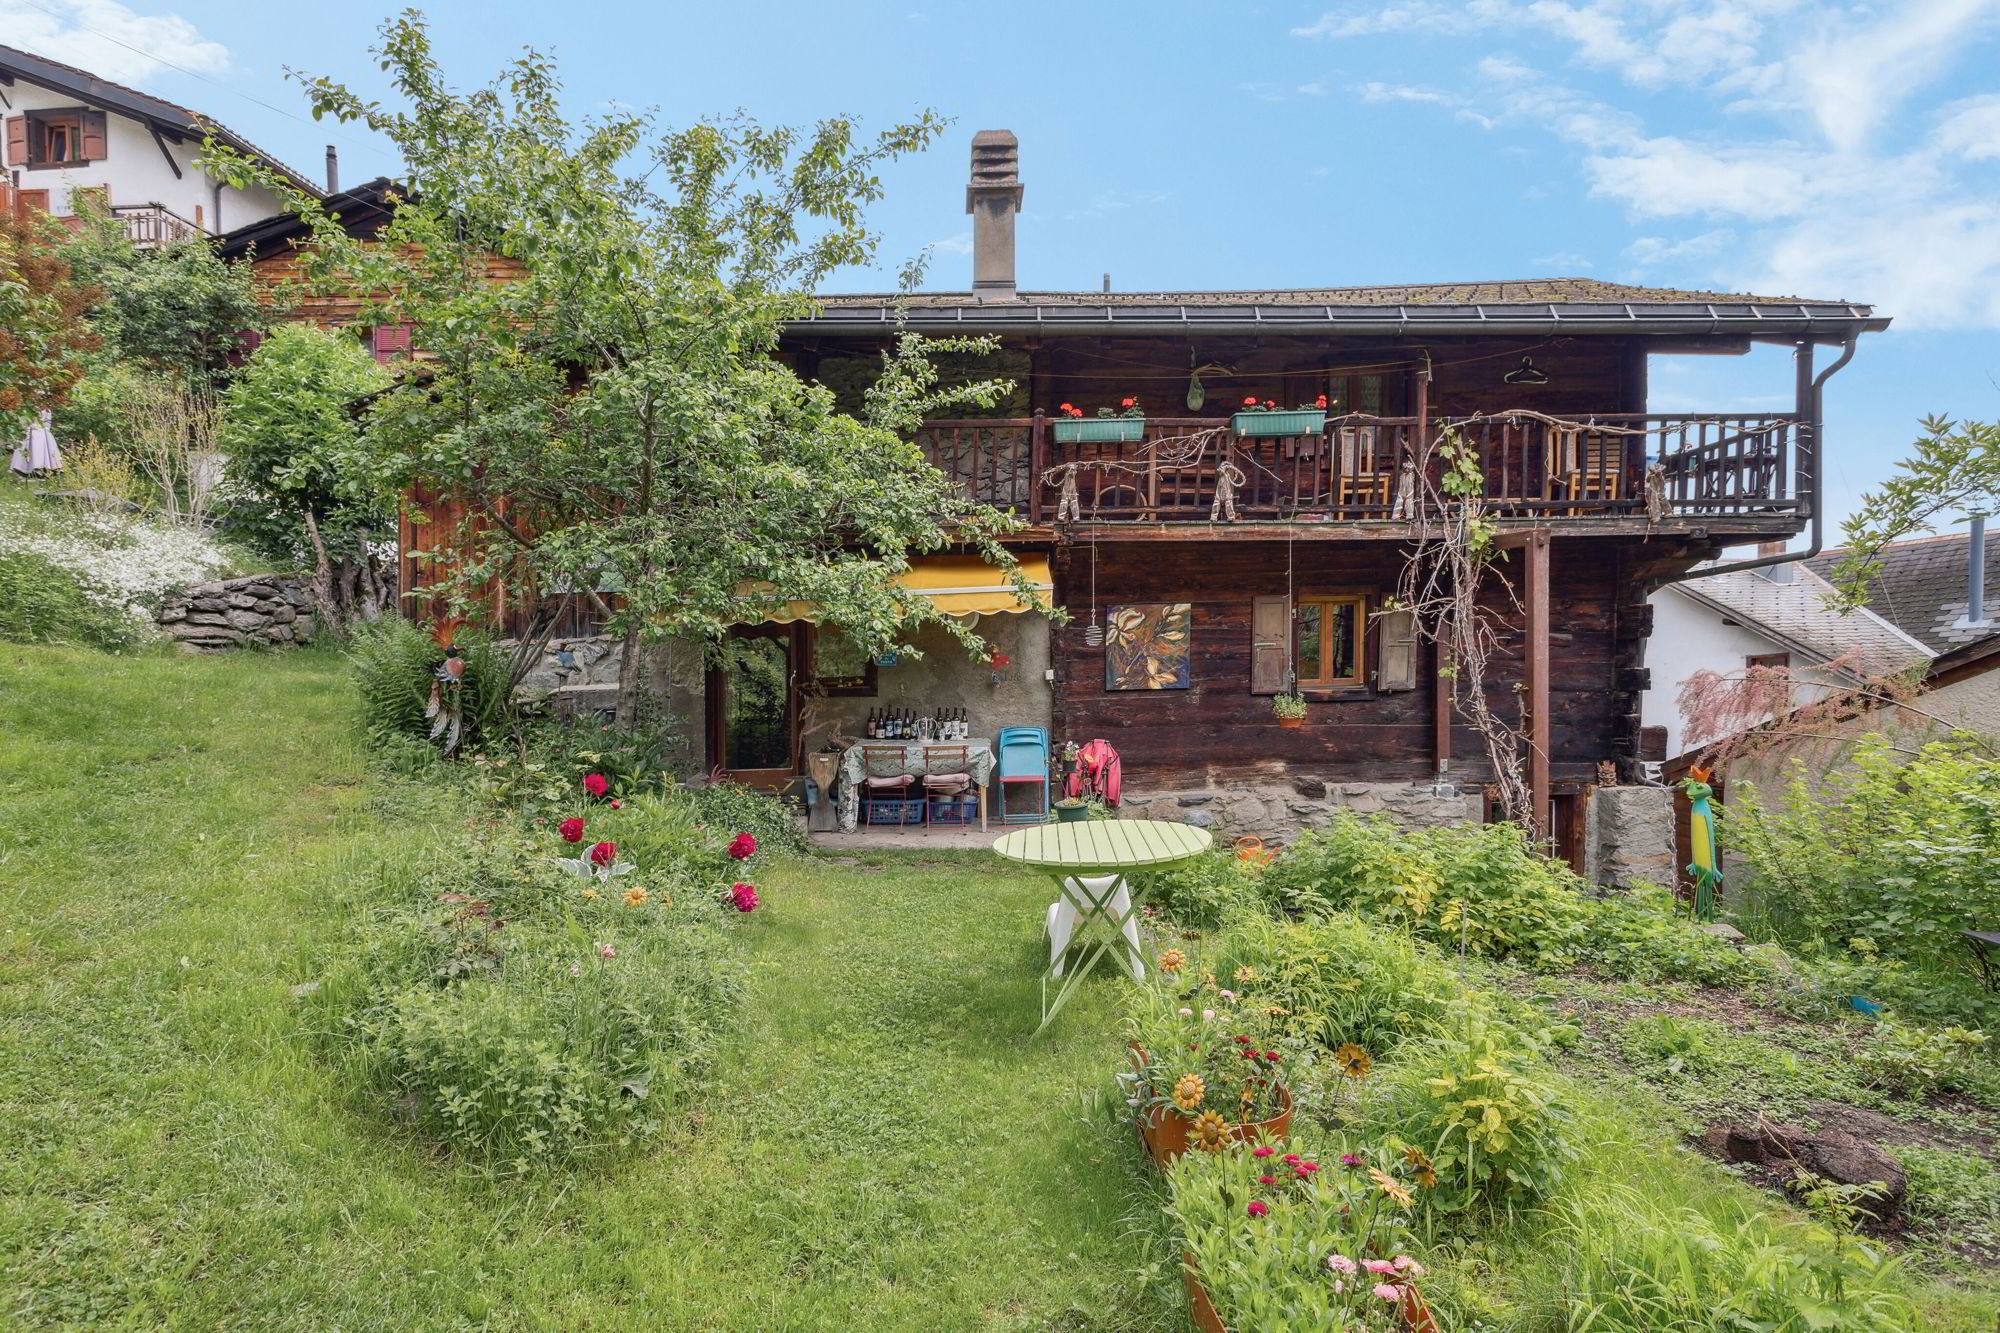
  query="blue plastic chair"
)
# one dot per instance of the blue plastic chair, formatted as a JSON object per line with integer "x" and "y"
{"x": 1021, "y": 759}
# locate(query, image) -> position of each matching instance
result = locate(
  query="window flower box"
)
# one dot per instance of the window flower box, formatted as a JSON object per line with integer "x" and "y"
{"x": 1263, "y": 425}
{"x": 1100, "y": 430}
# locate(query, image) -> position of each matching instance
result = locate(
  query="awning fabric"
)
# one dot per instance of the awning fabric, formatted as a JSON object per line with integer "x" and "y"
{"x": 958, "y": 585}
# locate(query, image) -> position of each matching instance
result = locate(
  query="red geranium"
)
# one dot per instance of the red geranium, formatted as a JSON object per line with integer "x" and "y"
{"x": 604, "y": 853}
{"x": 1251, "y": 401}
{"x": 595, "y": 784}
{"x": 1128, "y": 402}
{"x": 1070, "y": 410}
{"x": 741, "y": 846}
{"x": 571, "y": 830}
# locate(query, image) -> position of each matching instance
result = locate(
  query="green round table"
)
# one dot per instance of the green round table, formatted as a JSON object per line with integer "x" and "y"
{"x": 1089, "y": 859}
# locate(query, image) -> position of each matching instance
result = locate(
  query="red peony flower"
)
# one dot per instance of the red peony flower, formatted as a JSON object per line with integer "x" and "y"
{"x": 618, "y": 805}
{"x": 741, "y": 846}
{"x": 595, "y": 784}
{"x": 604, "y": 853}
{"x": 1258, "y": 1208}
{"x": 744, "y": 896}
{"x": 571, "y": 830}
{"x": 1272, "y": 1056}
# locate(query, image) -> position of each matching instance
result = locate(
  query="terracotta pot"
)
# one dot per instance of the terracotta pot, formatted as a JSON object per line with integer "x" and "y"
{"x": 1291, "y": 722}
{"x": 1416, "y": 1315}
{"x": 1165, "y": 1134}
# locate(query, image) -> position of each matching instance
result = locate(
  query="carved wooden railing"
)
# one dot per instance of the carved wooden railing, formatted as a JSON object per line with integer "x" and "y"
{"x": 1535, "y": 466}
{"x": 150, "y": 225}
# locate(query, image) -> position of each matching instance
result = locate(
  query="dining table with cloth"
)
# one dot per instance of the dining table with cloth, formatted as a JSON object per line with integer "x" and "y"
{"x": 916, "y": 763}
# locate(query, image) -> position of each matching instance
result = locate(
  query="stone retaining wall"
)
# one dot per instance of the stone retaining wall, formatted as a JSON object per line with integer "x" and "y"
{"x": 274, "y": 610}
{"x": 1281, "y": 810}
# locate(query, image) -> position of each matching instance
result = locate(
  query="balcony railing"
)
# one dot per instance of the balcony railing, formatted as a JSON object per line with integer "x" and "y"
{"x": 149, "y": 225}
{"x": 1362, "y": 468}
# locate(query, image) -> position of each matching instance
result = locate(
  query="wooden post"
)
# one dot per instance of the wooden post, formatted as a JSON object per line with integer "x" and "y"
{"x": 1539, "y": 728}
{"x": 1038, "y": 463}
{"x": 1441, "y": 702}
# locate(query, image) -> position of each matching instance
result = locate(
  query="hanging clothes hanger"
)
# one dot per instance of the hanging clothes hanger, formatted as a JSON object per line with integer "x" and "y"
{"x": 1526, "y": 373}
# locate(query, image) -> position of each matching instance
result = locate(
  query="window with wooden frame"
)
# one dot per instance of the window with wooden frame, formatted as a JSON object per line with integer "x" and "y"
{"x": 62, "y": 137}
{"x": 1768, "y": 660}
{"x": 839, "y": 667}
{"x": 1331, "y": 636}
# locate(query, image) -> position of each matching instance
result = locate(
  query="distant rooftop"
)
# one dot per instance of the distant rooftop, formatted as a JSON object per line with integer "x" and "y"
{"x": 1921, "y": 588}
{"x": 1795, "y": 613}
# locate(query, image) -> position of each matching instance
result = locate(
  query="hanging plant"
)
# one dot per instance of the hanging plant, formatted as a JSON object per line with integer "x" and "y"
{"x": 1290, "y": 709}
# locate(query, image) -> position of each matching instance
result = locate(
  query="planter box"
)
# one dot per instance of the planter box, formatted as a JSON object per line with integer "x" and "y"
{"x": 1414, "y": 1315}
{"x": 1264, "y": 424}
{"x": 1165, "y": 1132}
{"x": 1070, "y": 814}
{"x": 1101, "y": 430}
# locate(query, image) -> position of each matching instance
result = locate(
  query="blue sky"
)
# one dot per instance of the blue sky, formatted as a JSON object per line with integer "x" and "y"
{"x": 1777, "y": 146}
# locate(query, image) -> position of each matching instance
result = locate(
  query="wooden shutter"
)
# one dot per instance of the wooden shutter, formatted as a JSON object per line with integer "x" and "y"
{"x": 1396, "y": 633}
{"x": 93, "y": 137}
{"x": 17, "y": 141}
{"x": 26, "y": 200}
{"x": 391, "y": 340}
{"x": 1270, "y": 645}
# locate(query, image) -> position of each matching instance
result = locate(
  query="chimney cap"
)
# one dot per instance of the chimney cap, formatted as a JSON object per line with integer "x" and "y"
{"x": 996, "y": 168}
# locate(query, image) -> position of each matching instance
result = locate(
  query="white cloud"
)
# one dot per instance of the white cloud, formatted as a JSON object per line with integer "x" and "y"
{"x": 1106, "y": 202}
{"x": 1396, "y": 92}
{"x": 101, "y": 36}
{"x": 1853, "y": 75}
{"x": 1317, "y": 88}
{"x": 1649, "y": 251}
{"x": 1971, "y": 128}
{"x": 959, "y": 244}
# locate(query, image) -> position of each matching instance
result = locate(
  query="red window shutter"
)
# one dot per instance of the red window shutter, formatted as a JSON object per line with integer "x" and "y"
{"x": 93, "y": 137}
{"x": 1270, "y": 645}
{"x": 391, "y": 341}
{"x": 17, "y": 141}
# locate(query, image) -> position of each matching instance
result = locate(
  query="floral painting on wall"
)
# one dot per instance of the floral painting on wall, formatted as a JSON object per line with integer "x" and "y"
{"x": 1146, "y": 646}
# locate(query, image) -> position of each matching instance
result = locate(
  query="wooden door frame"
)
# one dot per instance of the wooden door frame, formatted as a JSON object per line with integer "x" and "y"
{"x": 795, "y": 638}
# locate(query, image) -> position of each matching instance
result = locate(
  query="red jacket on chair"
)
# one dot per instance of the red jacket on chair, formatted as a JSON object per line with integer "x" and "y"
{"x": 1096, "y": 773}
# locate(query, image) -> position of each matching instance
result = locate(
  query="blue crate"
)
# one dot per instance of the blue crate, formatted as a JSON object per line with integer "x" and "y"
{"x": 955, "y": 810}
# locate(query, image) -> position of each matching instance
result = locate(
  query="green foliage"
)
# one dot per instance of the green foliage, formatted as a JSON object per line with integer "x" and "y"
{"x": 1673, "y": 1045}
{"x": 394, "y": 662}
{"x": 293, "y": 440}
{"x": 1919, "y": 1061}
{"x": 1492, "y": 1118}
{"x": 1642, "y": 934}
{"x": 1475, "y": 886}
{"x": 1634, "y": 1265}
{"x": 729, "y": 808}
{"x": 1204, "y": 892}
{"x": 41, "y": 602}
{"x": 1269, "y": 1272}
{"x": 1953, "y": 469}
{"x": 1954, "y": 1194}
{"x": 44, "y": 342}
{"x": 1894, "y": 849}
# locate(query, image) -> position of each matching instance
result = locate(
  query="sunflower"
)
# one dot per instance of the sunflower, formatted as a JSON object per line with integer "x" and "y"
{"x": 634, "y": 897}
{"x": 1172, "y": 960}
{"x": 1189, "y": 1091}
{"x": 1245, "y": 975}
{"x": 1421, "y": 1167}
{"x": 1387, "y": 1184}
{"x": 1210, "y": 1132}
{"x": 1353, "y": 1061}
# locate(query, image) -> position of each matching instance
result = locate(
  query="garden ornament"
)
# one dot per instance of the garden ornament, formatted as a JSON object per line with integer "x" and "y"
{"x": 1706, "y": 867}
{"x": 445, "y": 709}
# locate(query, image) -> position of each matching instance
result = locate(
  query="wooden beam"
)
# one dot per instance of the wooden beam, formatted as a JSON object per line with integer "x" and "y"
{"x": 165, "y": 152}
{"x": 1441, "y": 704}
{"x": 1536, "y": 576}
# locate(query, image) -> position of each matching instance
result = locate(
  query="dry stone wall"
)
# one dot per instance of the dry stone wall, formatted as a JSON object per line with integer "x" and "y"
{"x": 271, "y": 610}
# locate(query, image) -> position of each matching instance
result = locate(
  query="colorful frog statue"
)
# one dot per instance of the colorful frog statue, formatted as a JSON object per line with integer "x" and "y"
{"x": 1705, "y": 850}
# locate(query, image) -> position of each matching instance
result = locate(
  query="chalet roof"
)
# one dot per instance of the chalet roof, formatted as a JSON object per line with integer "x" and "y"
{"x": 1795, "y": 614}
{"x": 1535, "y": 305}
{"x": 1921, "y": 588}
{"x": 170, "y": 118}
{"x": 362, "y": 210}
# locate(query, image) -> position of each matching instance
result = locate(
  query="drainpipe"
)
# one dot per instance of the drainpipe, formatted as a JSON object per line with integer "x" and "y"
{"x": 1815, "y": 415}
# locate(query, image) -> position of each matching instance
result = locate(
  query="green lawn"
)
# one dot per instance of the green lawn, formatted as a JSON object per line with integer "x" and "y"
{"x": 886, "y": 1148}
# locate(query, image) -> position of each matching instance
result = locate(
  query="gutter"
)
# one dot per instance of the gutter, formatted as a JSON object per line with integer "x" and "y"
{"x": 1817, "y": 417}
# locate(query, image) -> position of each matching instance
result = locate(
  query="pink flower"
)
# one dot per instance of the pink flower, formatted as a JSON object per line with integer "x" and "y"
{"x": 1379, "y": 1267}
{"x": 1340, "y": 1263}
{"x": 1267, "y": 1180}
{"x": 604, "y": 853}
{"x": 1187, "y": 1013}
{"x": 1227, "y": 994}
{"x": 1350, "y": 1159}
{"x": 606, "y": 951}
{"x": 1306, "y": 1168}
{"x": 571, "y": 830}
{"x": 1293, "y": 1159}
{"x": 1208, "y": 1015}
{"x": 744, "y": 896}
{"x": 741, "y": 847}
{"x": 1388, "y": 1291}
{"x": 1258, "y": 1208}
{"x": 595, "y": 784}
{"x": 1405, "y": 1264}
{"x": 618, "y": 805}
{"x": 1263, "y": 1150}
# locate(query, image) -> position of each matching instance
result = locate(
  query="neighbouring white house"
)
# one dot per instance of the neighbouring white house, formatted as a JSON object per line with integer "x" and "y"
{"x": 1775, "y": 617}
{"x": 70, "y": 133}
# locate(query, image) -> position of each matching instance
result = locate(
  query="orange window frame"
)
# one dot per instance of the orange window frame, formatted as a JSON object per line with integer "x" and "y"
{"x": 1329, "y": 624}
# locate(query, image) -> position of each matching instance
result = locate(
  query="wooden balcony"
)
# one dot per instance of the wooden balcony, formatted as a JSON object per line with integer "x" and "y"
{"x": 1361, "y": 468}
{"x": 150, "y": 226}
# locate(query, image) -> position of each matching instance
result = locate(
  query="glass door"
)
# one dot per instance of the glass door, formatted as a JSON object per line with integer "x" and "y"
{"x": 753, "y": 705}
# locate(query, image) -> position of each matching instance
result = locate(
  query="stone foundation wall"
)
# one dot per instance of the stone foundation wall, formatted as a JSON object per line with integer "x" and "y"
{"x": 273, "y": 610}
{"x": 1280, "y": 811}
{"x": 1630, "y": 836}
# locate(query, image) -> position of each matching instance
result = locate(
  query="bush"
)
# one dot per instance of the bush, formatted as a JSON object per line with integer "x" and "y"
{"x": 1367, "y": 865}
{"x": 394, "y": 662}
{"x": 1489, "y": 1114}
{"x": 1641, "y": 934}
{"x": 1205, "y": 892}
{"x": 1919, "y": 1061}
{"x": 41, "y": 602}
{"x": 1894, "y": 849}
{"x": 730, "y": 808}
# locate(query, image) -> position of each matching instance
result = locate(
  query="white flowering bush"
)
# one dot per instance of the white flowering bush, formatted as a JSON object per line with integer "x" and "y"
{"x": 121, "y": 563}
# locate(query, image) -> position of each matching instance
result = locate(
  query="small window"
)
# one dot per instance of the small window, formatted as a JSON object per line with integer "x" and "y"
{"x": 1769, "y": 660}
{"x": 839, "y": 666}
{"x": 1331, "y": 634}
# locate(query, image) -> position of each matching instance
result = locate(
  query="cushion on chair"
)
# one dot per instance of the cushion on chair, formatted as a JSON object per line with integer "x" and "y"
{"x": 901, "y": 780}
{"x": 947, "y": 781}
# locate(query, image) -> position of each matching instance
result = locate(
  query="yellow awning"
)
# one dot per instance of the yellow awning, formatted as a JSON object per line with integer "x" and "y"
{"x": 958, "y": 585}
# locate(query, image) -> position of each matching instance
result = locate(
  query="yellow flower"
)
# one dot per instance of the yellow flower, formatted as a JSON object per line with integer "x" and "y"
{"x": 1245, "y": 975}
{"x": 1422, "y": 1167}
{"x": 1189, "y": 1091}
{"x": 1248, "y": 1096}
{"x": 1353, "y": 1061}
{"x": 590, "y": 893}
{"x": 1210, "y": 1132}
{"x": 1172, "y": 960}
{"x": 1275, "y": 1011}
{"x": 1387, "y": 1184}
{"x": 634, "y": 897}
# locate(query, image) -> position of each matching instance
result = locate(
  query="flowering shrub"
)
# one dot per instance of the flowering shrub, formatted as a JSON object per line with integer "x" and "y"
{"x": 1209, "y": 1054}
{"x": 41, "y": 602}
{"x": 121, "y": 563}
{"x": 1300, "y": 1235}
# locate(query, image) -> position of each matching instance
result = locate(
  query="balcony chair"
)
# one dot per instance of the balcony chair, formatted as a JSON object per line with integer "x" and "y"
{"x": 1021, "y": 757}
{"x": 1587, "y": 465}
{"x": 883, "y": 782}
{"x": 949, "y": 786}
{"x": 1363, "y": 479}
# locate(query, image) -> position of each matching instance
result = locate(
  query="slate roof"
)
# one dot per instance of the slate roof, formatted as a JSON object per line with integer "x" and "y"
{"x": 1921, "y": 588}
{"x": 1531, "y": 291}
{"x": 100, "y": 92}
{"x": 1795, "y": 614}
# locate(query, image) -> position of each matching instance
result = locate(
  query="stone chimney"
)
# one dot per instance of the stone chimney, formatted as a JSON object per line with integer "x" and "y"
{"x": 332, "y": 170}
{"x": 993, "y": 198}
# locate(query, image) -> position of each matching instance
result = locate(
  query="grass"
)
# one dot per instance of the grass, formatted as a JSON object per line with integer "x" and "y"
{"x": 886, "y": 1147}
